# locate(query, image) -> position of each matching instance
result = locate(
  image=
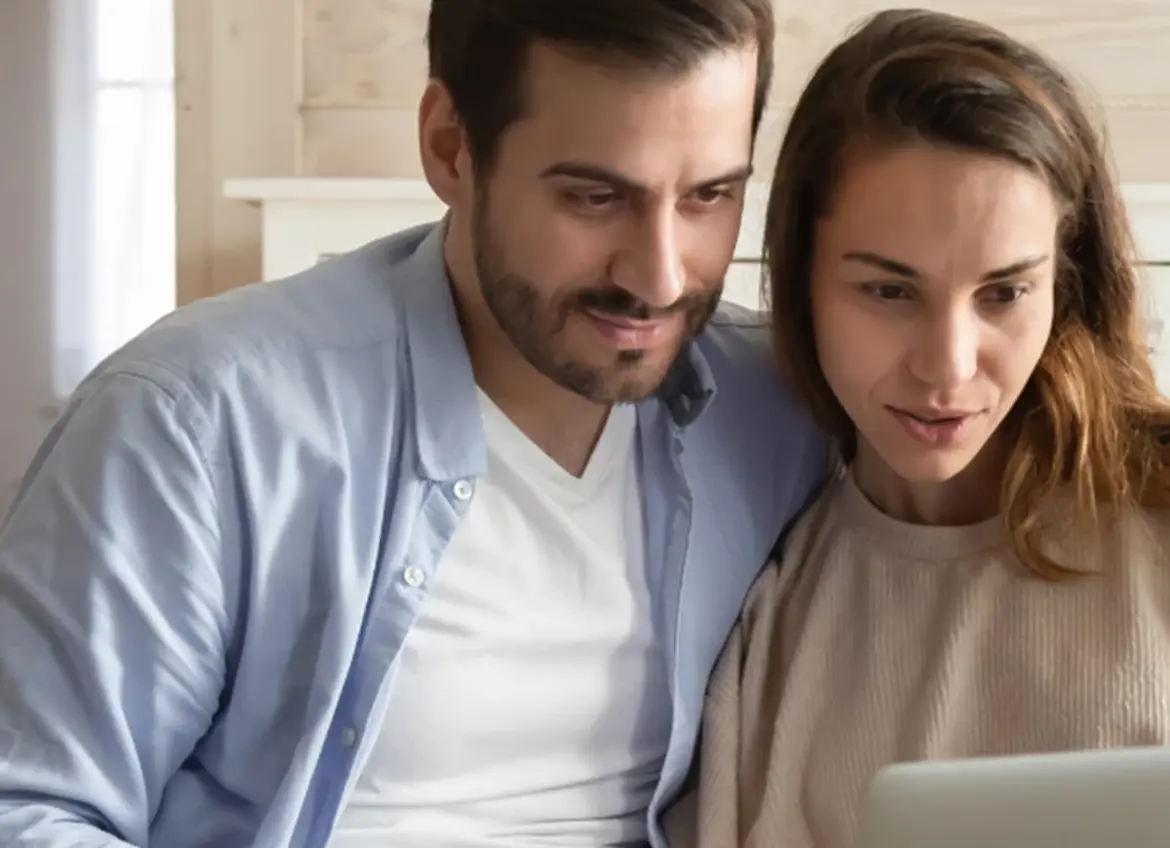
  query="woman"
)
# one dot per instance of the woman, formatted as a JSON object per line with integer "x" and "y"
{"x": 955, "y": 298}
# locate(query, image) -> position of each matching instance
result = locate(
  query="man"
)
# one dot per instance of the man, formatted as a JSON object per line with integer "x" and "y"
{"x": 434, "y": 544}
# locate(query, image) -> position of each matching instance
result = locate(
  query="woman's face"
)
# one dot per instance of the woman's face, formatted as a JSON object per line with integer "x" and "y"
{"x": 932, "y": 298}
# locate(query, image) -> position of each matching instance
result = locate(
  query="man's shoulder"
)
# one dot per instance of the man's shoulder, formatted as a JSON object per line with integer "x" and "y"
{"x": 738, "y": 335}
{"x": 265, "y": 333}
{"x": 738, "y": 349}
{"x": 756, "y": 427}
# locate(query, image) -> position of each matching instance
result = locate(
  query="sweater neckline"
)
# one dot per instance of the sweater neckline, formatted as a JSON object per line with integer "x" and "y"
{"x": 917, "y": 541}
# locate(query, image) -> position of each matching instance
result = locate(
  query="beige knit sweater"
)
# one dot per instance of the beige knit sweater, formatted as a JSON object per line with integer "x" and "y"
{"x": 876, "y": 641}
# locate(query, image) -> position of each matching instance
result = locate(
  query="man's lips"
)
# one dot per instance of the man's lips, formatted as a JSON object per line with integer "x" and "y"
{"x": 632, "y": 333}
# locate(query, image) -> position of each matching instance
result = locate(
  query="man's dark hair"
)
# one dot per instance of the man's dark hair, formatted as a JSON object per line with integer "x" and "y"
{"x": 478, "y": 49}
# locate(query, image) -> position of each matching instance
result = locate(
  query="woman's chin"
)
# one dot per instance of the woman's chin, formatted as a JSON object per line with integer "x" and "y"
{"x": 917, "y": 464}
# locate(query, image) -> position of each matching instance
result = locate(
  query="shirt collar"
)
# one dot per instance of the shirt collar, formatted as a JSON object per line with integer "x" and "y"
{"x": 689, "y": 386}
{"x": 448, "y": 423}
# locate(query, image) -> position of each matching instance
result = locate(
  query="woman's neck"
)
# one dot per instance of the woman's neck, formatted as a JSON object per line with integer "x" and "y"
{"x": 971, "y": 496}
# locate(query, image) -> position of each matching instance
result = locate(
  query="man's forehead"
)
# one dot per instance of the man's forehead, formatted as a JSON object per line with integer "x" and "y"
{"x": 616, "y": 126}
{"x": 550, "y": 69}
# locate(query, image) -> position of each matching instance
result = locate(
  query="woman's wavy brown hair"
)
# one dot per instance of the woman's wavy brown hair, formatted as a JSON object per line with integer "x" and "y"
{"x": 1091, "y": 419}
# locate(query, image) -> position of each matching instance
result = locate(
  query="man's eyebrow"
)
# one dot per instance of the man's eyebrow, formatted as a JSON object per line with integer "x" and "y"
{"x": 736, "y": 175}
{"x": 599, "y": 174}
{"x": 901, "y": 269}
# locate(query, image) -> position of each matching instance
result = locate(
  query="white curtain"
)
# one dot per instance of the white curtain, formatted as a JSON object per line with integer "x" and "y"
{"x": 115, "y": 188}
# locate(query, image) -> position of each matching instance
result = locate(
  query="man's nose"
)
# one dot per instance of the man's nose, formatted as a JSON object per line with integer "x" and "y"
{"x": 651, "y": 267}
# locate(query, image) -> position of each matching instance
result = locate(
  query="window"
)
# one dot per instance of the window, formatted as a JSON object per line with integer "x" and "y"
{"x": 116, "y": 195}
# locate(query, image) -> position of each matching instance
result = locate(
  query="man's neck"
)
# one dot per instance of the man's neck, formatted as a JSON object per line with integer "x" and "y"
{"x": 561, "y": 423}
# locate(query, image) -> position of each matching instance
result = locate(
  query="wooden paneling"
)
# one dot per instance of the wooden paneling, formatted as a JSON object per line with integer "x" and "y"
{"x": 371, "y": 53}
{"x": 368, "y": 56}
{"x": 329, "y": 88}
{"x": 361, "y": 143}
{"x": 1140, "y": 141}
{"x": 1115, "y": 45}
{"x": 237, "y": 93}
{"x": 365, "y": 54}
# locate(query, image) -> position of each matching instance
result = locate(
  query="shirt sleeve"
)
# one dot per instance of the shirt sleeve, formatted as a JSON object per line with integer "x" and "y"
{"x": 113, "y": 618}
{"x": 719, "y": 807}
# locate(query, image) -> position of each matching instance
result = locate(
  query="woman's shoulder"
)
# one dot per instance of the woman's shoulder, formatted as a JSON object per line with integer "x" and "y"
{"x": 1146, "y": 529}
{"x": 1087, "y": 543}
{"x": 798, "y": 547}
{"x": 814, "y": 523}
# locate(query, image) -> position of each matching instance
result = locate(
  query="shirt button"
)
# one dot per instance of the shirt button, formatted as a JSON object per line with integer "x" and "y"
{"x": 463, "y": 489}
{"x": 414, "y": 576}
{"x": 348, "y": 737}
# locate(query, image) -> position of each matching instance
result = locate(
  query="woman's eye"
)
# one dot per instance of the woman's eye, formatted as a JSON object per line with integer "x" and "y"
{"x": 1007, "y": 294}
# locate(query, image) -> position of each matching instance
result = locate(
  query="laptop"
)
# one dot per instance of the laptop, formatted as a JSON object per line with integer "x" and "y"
{"x": 1088, "y": 799}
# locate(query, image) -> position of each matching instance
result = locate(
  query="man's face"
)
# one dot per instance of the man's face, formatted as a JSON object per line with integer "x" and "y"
{"x": 604, "y": 230}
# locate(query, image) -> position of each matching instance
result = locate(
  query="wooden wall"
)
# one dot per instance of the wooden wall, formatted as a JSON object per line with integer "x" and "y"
{"x": 329, "y": 88}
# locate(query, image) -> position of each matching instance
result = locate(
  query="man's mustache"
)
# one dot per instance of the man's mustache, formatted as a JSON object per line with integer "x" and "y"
{"x": 616, "y": 301}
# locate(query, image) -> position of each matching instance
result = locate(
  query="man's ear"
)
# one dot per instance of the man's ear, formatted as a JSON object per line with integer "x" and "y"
{"x": 442, "y": 146}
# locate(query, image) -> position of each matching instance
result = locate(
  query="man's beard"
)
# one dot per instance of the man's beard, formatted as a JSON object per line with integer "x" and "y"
{"x": 534, "y": 323}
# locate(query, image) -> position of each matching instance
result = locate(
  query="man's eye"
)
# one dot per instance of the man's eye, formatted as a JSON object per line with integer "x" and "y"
{"x": 887, "y": 291}
{"x": 599, "y": 198}
{"x": 591, "y": 198}
{"x": 711, "y": 195}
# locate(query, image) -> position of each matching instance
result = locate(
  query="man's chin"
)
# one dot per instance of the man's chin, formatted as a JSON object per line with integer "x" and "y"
{"x": 629, "y": 384}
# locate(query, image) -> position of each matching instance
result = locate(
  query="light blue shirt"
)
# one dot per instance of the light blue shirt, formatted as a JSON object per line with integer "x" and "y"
{"x": 202, "y": 589}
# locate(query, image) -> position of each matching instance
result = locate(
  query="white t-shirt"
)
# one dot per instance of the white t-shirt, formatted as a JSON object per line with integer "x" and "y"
{"x": 530, "y": 704}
